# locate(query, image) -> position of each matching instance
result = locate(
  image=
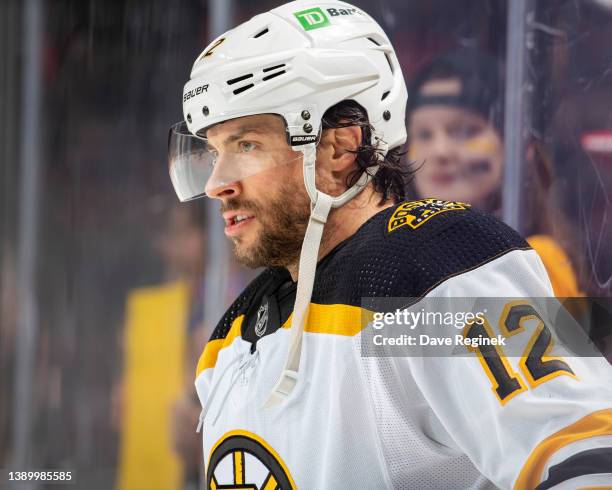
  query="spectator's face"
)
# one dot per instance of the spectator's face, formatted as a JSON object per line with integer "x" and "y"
{"x": 461, "y": 151}
{"x": 273, "y": 200}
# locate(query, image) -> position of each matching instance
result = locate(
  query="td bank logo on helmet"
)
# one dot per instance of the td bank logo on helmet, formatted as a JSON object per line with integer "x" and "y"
{"x": 315, "y": 18}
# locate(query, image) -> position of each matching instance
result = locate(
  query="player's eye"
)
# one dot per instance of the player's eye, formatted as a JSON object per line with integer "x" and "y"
{"x": 210, "y": 156}
{"x": 247, "y": 146}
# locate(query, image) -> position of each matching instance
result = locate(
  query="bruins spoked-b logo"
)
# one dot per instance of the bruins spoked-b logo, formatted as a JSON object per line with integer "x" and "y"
{"x": 415, "y": 213}
{"x": 243, "y": 460}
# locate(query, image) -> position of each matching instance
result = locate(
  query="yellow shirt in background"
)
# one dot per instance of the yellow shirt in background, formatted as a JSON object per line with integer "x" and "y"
{"x": 153, "y": 379}
{"x": 558, "y": 266}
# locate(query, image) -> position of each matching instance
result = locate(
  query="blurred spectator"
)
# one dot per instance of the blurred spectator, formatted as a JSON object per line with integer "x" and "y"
{"x": 455, "y": 127}
{"x": 163, "y": 323}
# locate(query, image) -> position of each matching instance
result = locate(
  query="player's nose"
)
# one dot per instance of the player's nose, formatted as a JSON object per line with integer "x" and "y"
{"x": 222, "y": 183}
{"x": 219, "y": 190}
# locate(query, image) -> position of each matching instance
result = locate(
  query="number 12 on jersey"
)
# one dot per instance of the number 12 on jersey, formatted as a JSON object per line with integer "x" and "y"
{"x": 536, "y": 365}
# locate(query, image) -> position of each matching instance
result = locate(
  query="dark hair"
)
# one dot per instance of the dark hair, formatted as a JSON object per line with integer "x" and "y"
{"x": 393, "y": 174}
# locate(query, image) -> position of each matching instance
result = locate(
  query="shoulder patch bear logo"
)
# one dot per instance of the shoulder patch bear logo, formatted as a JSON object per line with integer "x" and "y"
{"x": 415, "y": 213}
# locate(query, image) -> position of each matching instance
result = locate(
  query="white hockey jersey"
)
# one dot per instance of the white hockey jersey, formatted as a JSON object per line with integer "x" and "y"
{"x": 416, "y": 419}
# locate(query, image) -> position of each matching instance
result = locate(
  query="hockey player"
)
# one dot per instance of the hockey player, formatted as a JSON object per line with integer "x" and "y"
{"x": 293, "y": 121}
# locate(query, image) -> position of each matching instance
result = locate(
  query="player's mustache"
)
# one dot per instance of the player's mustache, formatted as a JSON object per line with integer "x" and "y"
{"x": 243, "y": 205}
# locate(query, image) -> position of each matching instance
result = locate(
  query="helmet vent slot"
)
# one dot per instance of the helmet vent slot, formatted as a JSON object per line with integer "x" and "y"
{"x": 272, "y": 75}
{"x": 384, "y": 95}
{"x": 260, "y": 33}
{"x": 270, "y": 68}
{"x": 374, "y": 41}
{"x": 389, "y": 61}
{"x": 239, "y": 79}
{"x": 239, "y": 90}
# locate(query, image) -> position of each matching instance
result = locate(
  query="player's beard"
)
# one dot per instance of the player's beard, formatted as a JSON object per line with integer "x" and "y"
{"x": 283, "y": 218}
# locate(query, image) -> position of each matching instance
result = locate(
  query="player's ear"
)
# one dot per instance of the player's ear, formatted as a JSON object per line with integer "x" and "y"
{"x": 336, "y": 158}
{"x": 338, "y": 146}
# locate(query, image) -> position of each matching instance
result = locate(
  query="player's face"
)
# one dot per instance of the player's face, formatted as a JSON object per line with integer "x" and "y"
{"x": 461, "y": 151}
{"x": 266, "y": 213}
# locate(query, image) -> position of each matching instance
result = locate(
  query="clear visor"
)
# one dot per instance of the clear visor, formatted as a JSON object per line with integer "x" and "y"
{"x": 198, "y": 168}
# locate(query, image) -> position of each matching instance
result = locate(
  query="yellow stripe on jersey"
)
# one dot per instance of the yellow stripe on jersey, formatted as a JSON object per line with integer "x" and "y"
{"x": 335, "y": 319}
{"x": 208, "y": 358}
{"x": 595, "y": 424}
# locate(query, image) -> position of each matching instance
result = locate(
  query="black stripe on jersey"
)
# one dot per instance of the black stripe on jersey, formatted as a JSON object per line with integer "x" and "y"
{"x": 588, "y": 462}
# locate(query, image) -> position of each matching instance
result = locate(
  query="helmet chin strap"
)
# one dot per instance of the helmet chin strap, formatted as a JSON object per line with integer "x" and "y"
{"x": 321, "y": 205}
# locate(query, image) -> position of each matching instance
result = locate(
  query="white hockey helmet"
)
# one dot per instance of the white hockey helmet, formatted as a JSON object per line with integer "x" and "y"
{"x": 295, "y": 61}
